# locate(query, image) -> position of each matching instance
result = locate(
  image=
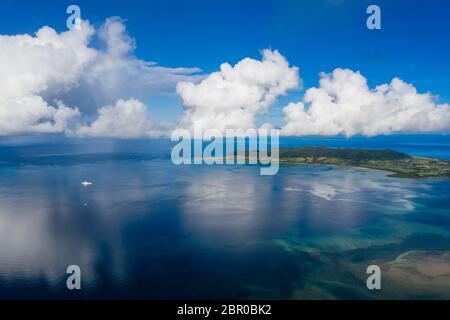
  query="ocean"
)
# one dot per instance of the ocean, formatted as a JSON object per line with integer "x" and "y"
{"x": 146, "y": 228}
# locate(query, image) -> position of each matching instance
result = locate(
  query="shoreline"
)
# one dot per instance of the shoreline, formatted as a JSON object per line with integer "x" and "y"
{"x": 391, "y": 174}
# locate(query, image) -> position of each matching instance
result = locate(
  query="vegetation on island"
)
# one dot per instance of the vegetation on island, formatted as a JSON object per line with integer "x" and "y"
{"x": 401, "y": 164}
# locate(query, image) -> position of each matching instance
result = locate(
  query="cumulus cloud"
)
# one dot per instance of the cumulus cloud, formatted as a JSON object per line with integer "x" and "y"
{"x": 30, "y": 65}
{"x": 50, "y": 79}
{"x": 117, "y": 73}
{"x": 235, "y": 95}
{"x": 344, "y": 104}
{"x": 54, "y": 82}
{"x": 125, "y": 119}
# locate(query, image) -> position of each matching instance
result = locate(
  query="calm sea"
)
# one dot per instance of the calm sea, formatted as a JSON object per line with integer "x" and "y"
{"x": 149, "y": 229}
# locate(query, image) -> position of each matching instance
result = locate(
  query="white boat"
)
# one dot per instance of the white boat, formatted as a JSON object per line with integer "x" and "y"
{"x": 86, "y": 183}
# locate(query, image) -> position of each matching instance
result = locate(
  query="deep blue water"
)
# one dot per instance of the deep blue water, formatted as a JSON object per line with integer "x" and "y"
{"x": 149, "y": 229}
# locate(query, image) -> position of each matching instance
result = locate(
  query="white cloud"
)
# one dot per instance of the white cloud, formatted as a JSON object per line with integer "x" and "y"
{"x": 64, "y": 70}
{"x": 30, "y": 65}
{"x": 344, "y": 104}
{"x": 50, "y": 81}
{"x": 118, "y": 43}
{"x": 117, "y": 73}
{"x": 235, "y": 95}
{"x": 125, "y": 119}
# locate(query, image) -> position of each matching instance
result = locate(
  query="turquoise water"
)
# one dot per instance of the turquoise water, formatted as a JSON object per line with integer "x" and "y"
{"x": 149, "y": 229}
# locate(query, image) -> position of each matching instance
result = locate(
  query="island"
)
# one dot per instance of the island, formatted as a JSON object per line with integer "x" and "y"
{"x": 400, "y": 164}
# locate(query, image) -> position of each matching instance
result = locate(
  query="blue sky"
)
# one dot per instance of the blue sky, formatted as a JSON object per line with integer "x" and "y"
{"x": 316, "y": 36}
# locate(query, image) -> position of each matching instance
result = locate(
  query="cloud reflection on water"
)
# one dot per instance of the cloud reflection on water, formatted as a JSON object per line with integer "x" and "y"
{"x": 141, "y": 215}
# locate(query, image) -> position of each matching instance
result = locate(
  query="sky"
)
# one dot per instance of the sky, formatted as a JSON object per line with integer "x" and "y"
{"x": 277, "y": 51}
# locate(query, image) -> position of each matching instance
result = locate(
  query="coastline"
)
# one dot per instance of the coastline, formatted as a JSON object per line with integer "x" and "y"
{"x": 400, "y": 165}
{"x": 390, "y": 173}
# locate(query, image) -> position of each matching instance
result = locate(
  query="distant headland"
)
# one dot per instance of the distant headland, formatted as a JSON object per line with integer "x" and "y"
{"x": 401, "y": 164}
